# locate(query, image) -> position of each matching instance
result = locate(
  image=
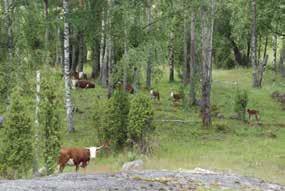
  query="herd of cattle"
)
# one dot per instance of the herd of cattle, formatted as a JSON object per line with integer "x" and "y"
{"x": 80, "y": 80}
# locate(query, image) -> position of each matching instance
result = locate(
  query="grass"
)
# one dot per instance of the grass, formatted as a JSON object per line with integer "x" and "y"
{"x": 246, "y": 149}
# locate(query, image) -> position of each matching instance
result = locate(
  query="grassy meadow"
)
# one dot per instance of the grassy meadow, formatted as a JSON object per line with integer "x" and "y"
{"x": 247, "y": 149}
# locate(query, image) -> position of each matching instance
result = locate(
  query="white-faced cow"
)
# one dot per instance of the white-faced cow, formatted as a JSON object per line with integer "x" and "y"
{"x": 154, "y": 94}
{"x": 78, "y": 157}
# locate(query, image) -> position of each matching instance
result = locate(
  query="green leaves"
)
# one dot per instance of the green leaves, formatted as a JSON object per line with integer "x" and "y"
{"x": 140, "y": 125}
{"x": 17, "y": 150}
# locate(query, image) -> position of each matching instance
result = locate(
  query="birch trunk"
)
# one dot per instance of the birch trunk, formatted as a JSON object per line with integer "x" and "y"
{"x": 274, "y": 46}
{"x": 207, "y": 38}
{"x": 37, "y": 126}
{"x": 126, "y": 63}
{"x": 186, "y": 69}
{"x": 253, "y": 52}
{"x": 149, "y": 57}
{"x": 102, "y": 45}
{"x": 171, "y": 56}
{"x": 81, "y": 52}
{"x": 68, "y": 101}
{"x": 46, "y": 31}
{"x": 193, "y": 75}
{"x": 96, "y": 59}
{"x": 111, "y": 53}
{"x": 8, "y": 29}
{"x": 282, "y": 60}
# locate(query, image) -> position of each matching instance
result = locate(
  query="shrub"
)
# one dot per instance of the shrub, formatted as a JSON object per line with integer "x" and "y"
{"x": 50, "y": 123}
{"x": 113, "y": 121}
{"x": 140, "y": 124}
{"x": 17, "y": 149}
{"x": 241, "y": 100}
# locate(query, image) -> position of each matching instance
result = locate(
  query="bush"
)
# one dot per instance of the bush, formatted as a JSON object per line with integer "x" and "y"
{"x": 113, "y": 121}
{"x": 241, "y": 100}
{"x": 140, "y": 124}
{"x": 50, "y": 123}
{"x": 17, "y": 149}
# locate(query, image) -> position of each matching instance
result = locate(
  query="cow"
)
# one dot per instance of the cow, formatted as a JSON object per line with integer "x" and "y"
{"x": 154, "y": 94}
{"x": 78, "y": 157}
{"x": 176, "y": 97}
{"x": 119, "y": 85}
{"x": 82, "y": 84}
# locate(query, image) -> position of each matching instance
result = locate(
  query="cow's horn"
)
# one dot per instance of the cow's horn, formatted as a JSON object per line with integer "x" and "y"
{"x": 98, "y": 148}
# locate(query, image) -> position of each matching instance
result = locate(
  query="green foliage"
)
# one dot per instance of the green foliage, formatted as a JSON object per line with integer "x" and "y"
{"x": 140, "y": 125}
{"x": 241, "y": 100}
{"x": 113, "y": 120}
{"x": 17, "y": 150}
{"x": 50, "y": 123}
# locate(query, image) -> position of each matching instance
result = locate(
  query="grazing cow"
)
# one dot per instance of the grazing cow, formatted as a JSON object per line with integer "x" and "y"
{"x": 119, "y": 85}
{"x": 78, "y": 157}
{"x": 82, "y": 84}
{"x": 176, "y": 97}
{"x": 130, "y": 89}
{"x": 154, "y": 94}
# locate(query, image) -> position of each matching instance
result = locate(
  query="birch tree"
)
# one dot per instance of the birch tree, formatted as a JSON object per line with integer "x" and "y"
{"x": 8, "y": 30}
{"x": 193, "y": 70}
{"x": 207, "y": 40}
{"x": 149, "y": 57}
{"x": 68, "y": 101}
{"x": 171, "y": 56}
{"x": 186, "y": 67}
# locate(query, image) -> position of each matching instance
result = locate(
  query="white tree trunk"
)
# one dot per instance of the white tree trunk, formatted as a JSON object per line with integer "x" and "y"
{"x": 207, "y": 39}
{"x": 186, "y": 67}
{"x": 274, "y": 46}
{"x": 68, "y": 101}
{"x": 171, "y": 56}
{"x": 126, "y": 63}
{"x": 193, "y": 75}
{"x": 102, "y": 44}
{"x": 149, "y": 58}
{"x": 254, "y": 61}
{"x": 8, "y": 66}
{"x": 37, "y": 125}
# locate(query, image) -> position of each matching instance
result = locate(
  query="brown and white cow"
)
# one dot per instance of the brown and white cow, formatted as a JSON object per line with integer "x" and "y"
{"x": 176, "y": 97}
{"x": 154, "y": 94}
{"x": 78, "y": 157}
{"x": 82, "y": 84}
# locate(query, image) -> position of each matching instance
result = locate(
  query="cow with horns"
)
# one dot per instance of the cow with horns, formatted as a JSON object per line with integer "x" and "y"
{"x": 78, "y": 157}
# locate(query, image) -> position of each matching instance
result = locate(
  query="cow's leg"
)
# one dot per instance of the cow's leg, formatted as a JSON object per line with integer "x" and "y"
{"x": 62, "y": 162}
{"x": 76, "y": 167}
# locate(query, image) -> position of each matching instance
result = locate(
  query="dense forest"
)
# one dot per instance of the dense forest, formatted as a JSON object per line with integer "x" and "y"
{"x": 184, "y": 82}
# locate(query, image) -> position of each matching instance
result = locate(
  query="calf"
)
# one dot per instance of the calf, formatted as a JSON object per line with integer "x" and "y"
{"x": 82, "y": 84}
{"x": 154, "y": 94}
{"x": 176, "y": 97}
{"x": 78, "y": 157}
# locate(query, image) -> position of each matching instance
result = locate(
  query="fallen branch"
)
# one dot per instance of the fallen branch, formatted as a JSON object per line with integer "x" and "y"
{"x": 176, "y": 120}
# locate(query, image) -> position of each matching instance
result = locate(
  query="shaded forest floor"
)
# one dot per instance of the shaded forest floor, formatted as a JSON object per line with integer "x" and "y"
{"x": 247, "y": 149}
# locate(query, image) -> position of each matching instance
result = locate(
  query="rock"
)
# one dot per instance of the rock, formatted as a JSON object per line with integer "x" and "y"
{"x": 235, "y": 117}
{"x": 220, "y": 116}
{"x": 155, "y": 180}
{"x": 136, "y": 165}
